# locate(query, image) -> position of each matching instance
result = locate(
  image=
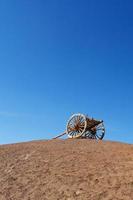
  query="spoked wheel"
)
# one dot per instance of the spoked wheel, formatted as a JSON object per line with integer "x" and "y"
{"x": 100, "y": 131}
{"x": 89, "y": 135}
{"x": 76, "y": 126}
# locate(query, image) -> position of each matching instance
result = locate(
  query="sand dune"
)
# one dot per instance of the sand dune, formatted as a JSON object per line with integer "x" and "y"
{"x": 66, "y": 170}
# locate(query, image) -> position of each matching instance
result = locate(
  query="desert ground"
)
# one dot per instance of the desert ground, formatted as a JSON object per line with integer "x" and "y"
{"x": 72, "y": 169}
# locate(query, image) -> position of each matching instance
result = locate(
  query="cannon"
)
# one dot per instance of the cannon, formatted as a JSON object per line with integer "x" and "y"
{"x": 82, "y": 126}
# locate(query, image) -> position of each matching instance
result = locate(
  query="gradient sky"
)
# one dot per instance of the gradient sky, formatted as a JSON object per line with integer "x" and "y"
{"x": 59, "y": 57}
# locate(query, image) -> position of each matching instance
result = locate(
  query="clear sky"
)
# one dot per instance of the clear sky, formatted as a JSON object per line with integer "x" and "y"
{"x": 59, "y": 57}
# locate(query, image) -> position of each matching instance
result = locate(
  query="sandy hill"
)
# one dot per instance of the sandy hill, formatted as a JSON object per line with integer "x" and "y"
{"x": 66, "y": 170}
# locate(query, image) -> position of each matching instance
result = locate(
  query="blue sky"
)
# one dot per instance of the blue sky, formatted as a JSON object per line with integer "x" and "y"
{"x": 59, "y": 57}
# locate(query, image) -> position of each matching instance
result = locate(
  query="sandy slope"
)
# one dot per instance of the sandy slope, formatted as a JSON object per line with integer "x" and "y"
{"x": 66, "y": 170}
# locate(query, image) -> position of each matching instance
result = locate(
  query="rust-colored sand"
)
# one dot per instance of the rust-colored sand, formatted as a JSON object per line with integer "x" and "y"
{"x": 66, "y": 170}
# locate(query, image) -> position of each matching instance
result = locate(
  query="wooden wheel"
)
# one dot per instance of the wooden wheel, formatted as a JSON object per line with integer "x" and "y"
{"x": 100, "y": 131}
{"x": 96, "y": 132}
{"x": 89, "y": 135}
{"x": 76, "y": 125}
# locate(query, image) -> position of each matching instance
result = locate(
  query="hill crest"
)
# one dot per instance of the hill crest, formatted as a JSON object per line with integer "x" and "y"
{"x": 66, "y": 170}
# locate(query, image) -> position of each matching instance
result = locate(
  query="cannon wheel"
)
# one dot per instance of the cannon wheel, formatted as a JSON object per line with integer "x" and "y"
{"x": 76, "y": 125}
